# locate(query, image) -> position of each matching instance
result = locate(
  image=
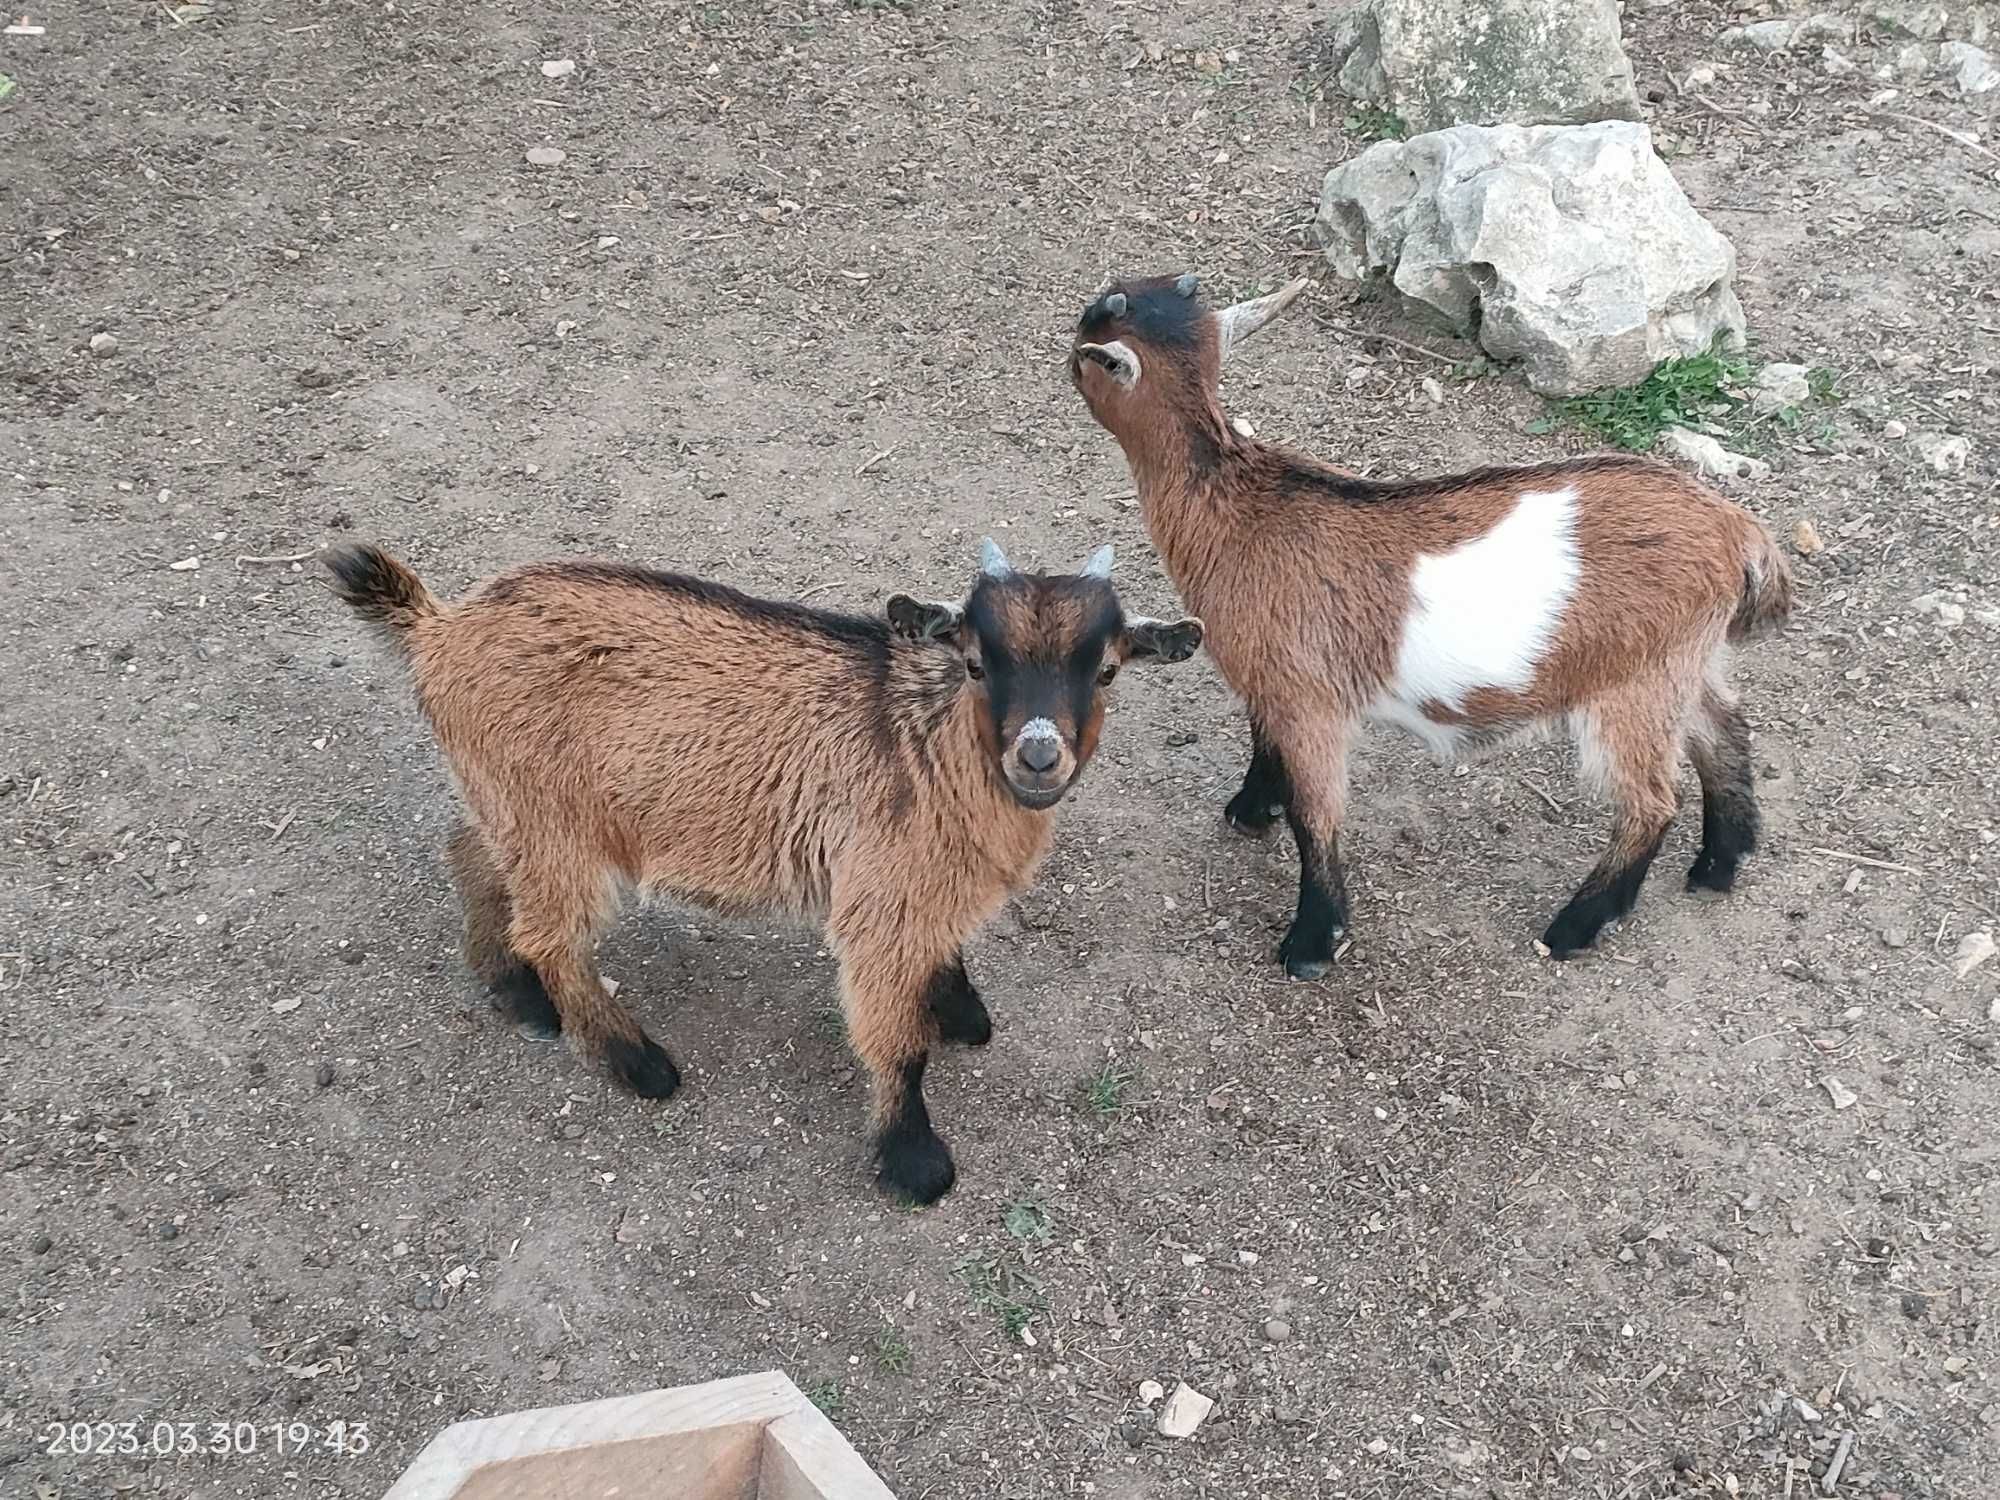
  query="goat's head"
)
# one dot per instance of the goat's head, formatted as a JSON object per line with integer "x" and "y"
{"x": 1150, "y": 341}
{"x": 1038, "y": 650}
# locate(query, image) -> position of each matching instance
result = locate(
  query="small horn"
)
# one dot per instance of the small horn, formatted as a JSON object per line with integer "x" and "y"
{"x": 1235, "y": 324}
{"x": 1186, "y": 285}
{"x": 992, "y": 561}
{"x": 1099, "y": 565}
{"x": 1115, "y": 305}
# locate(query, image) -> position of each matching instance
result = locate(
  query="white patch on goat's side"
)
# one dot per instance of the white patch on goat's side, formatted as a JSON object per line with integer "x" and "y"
{"x": 1483, "y": 615}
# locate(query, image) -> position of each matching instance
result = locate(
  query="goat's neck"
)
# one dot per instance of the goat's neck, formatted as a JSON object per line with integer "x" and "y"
{"x": 1187, "y": 494}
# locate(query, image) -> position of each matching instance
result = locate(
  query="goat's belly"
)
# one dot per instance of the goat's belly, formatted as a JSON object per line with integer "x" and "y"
{"x": 1448, "y": 743}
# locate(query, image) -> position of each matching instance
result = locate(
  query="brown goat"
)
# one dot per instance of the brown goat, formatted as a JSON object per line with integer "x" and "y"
{"x": 1597, "y": 592}
{"x": 613, "y": 729}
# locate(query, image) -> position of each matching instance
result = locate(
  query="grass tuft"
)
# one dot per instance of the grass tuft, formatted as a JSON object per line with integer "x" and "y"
{"x": 1370, "y": 122}
{"x": 1104, "y": 1091}
{"x": 1679, "y": 393}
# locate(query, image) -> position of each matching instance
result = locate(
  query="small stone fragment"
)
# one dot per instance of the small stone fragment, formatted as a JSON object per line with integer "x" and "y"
{"x": 1779, "y": 386}
{"x": 547, "y": 156}
{"x": 1710, "y": 457}
{"x": 1973, "y": 950}
{"x": 41, "y": 1244}
{"x": 1972, "y": 68}
{"x": 104, "y": 345}
{"x": 1186, "y": 1409}
{"x": 1150, "y": 1391}
{"x": 1806, "y": 539}
{"x": 1277, "y": 1330}
{"x": 1895, "y": 937}
{"x": 1761, "y": 36}
{"x": 558, "y": 67}
{"x": 1943, "y": 451}
{"x": 1843, "y": 1097}
{"x": 323, "y": 1076}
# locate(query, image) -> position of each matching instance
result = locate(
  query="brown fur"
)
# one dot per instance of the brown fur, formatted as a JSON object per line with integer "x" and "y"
{"x": 1302, "y": 574}
{"x": 611, "y": 729}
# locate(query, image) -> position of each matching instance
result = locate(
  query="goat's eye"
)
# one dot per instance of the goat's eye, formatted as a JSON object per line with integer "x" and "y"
{"x": 1110, "y": 671}
{"x": 974, "y": 669}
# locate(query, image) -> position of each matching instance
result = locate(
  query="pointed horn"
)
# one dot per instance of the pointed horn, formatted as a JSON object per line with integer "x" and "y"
{"x": 1187, "y": 284}
{"x": 1115, "y": 305}
{"x": 1099, "y": 565}
{"x": 1235, "y": 324}
{"x": 992, "y": 561}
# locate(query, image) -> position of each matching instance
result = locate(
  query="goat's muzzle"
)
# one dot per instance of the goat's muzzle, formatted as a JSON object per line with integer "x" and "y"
{"x": 1038, "y": 765}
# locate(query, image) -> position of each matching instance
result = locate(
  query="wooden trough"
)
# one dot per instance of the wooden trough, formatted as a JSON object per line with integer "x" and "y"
{"x": 752, "y": 1437}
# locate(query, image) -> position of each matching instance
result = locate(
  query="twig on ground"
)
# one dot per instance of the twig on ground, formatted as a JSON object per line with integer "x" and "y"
{"x": 243, "y": 561}
{"x": 1387, "y": 338}
{"x": 1970, "y": 142}
{"x": 1862, "y": 859}
{"x": 1554, "y": 805}
{"x": 876, "y": 459}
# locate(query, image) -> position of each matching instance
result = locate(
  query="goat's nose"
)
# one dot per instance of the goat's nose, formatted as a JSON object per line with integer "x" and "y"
{"x": 1040, "y": 755}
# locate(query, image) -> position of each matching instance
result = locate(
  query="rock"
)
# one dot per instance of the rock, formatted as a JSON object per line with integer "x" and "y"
{"x": 1436, "y": 63}
{"x": 1895, "y": 937}
{"x": 1894, "y": 431}
{"x": 1710, "y": 457}
{"x": 1973, "y": 950}
{"x": 1943, "y": 452}
{"x": 104, "y": 345}
{"x": 1842, "y": 1096}
{"x": 323, "y": 1076}
{"x": 1277, "y": 1330}
{"x": 1913, "y": 60}
{"x": 558, "y": 67}
{"x": 1972, "y": 68}
{"x": 1763, "y": 36}
{"x": 1150, "y": 1391}
{"x": 547, "y": 156}
{"x": 1836, "y": 63}
{"x": 41, "y": 1244}
{"x": 1823, "y": 27}
{"x": 1950, "y": 615}
{"x": 1806, "y": 539}
{"x": 1915, "y": 1306}
{"x": 1778, "y": 386}
{"x": 1569, "y": 247}
{"x": 1186, "y": 1409}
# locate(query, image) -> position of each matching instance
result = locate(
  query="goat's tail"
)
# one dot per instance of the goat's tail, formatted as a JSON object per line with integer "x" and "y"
{"x": 1767, "y": 587}
{"x": 382, "y": 591}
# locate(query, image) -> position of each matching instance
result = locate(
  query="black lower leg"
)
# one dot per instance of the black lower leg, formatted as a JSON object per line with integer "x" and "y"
{"x": 643, "y": 1066}
{"x": 1611, "y": 891}
{"x": 1321, "y": 920}
{"x": 915, "y": 1161}
{"x": 1265, "y": 791}
{"x": 1729, "y": 820}
{"x": 961, "y": 1014}
{"x": 519, "y": 995}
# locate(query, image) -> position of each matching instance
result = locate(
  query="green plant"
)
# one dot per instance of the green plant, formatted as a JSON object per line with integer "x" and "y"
{"x": 1003, "y": 1287}
{"x": 1370, "y": 122}
{"x": 892, "y": 1350}
{"x": 1104, "y": 1091}
{"x": 1823, "y": 383}
{"x": 1028, "y": 1222}
{"x": 831, "y": 1023}
{"x": 1679, "y": 393}
{"x": 827, "y": 1396}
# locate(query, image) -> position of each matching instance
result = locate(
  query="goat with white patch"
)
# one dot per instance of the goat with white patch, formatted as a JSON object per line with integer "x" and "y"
{"x": 1596, "y": 593}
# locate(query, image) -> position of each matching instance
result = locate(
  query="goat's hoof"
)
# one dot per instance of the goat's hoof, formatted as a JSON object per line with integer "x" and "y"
{"x": 965, "y": 1020}
{"x": 1572, "y": 932}
{"x": 1251, "y": 816}
{"x": 917, "y": 1167}
{"x": 642, "y": 1066}
{"x": 1309, "y": 957}
{"x": 519, "y": 996}
{"x": 1710, "y": 873}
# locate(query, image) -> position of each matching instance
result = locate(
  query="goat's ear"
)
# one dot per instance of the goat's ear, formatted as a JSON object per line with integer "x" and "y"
{"x": 1235, "y": 324}
{"x": 1162, "y": 640}
{"x": 924, "y": 619}
{"x": 1117, "y": 359}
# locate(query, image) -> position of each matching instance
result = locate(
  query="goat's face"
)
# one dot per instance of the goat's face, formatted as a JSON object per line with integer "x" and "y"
{"x": 1038, "y": 652}
{"x": 1150, "y": 340}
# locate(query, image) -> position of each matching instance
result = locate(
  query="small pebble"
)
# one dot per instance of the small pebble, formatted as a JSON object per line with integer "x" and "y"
{"x": 170, "y": 1230}
{"x": 1895, "y": 937}
{"x": 41, "y": 1244}
{"x": 104, "y": 345}
{"x": 1277, "y": 1330}
{"x": 323, "y": 1076}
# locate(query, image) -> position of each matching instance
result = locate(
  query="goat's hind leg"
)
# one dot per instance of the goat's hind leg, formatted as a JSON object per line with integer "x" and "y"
{"x": 517, "y": 990}
{"x": 1315, "y": 764}
{"x": 1629, "y": 745}
{"x": 1719, "y": 745}
{"x": 1262, "y": 800}
{"x": 961, "y": 1015}
{"x": 555, "y": 925}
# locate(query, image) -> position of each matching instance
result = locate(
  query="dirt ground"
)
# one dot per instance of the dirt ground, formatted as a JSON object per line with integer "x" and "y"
{"x": 1456, "y": 1221}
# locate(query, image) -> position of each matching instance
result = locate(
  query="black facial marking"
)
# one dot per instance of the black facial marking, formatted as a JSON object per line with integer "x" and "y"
{"x": 1029, "y": 676}
{"x": 1155, "y": 313}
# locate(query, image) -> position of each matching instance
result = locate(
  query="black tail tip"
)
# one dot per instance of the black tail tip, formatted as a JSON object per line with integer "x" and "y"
{"x": 363, "y": 574}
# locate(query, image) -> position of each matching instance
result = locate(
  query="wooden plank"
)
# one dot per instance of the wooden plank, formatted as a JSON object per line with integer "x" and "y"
{"x": 742, "y": 1404}
{"x": 806, "y": 1458}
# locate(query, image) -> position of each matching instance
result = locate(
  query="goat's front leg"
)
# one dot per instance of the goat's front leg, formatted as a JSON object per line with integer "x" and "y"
{"x": 1315, "y": 764}
{"x": 1256, "y": 807}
